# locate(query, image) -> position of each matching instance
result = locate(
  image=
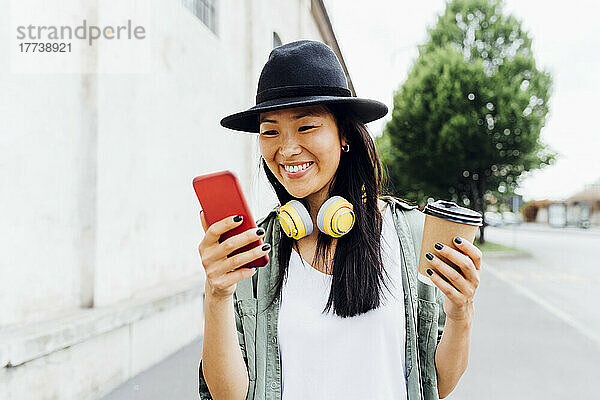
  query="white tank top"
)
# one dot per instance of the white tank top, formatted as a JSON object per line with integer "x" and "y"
{"x": 325, "y": 356}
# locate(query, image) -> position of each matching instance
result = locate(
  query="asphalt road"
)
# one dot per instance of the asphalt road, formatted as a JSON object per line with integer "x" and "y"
{"x": 563, "y": 273}
{"x": 534, "y": 334}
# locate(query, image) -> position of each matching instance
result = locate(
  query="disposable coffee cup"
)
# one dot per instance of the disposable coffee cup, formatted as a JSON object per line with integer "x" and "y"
{"x": 444, "y": 220}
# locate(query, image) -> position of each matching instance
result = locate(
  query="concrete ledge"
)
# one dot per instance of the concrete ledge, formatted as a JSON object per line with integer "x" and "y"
{"x": 20, "y": 344}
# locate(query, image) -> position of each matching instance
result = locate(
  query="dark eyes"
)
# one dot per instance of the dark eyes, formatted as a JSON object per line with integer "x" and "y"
{"x": 301, "y": 129}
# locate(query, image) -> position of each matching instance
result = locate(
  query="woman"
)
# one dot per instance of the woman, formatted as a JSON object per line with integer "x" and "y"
{"x": 353, "y": 321}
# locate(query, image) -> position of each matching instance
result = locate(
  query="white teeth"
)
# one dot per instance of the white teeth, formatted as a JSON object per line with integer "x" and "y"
{"x": 296, "y": 168}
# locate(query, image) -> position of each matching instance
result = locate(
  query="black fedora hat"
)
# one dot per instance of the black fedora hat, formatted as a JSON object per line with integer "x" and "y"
{"x": 301, "y": 73}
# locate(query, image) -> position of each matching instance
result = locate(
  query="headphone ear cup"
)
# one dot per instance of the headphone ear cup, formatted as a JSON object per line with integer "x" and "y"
{"x": 295, "y": 220}
{"x": 336, "y": 217}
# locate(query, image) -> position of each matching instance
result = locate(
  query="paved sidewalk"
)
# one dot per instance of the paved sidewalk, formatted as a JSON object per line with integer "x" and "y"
{"x": 520, "y": 350}
{"x": 175, "y": 378}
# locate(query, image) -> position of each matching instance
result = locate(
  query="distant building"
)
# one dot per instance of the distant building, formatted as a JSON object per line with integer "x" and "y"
{"x": 581, "y": 209}
{"x": 584, "y": 205}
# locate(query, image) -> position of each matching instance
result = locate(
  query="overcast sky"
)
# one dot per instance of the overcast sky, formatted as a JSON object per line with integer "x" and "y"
{"x": 379, "y": 42}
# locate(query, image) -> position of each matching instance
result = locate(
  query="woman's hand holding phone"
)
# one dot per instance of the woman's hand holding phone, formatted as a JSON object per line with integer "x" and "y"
{"x": 224, "y": 272}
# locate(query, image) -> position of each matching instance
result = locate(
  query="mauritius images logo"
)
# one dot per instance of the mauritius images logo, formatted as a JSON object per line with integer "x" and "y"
{"x": 85, "y": 31}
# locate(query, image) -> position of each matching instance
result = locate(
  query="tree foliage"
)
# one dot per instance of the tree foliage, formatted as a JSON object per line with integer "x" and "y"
{"x": 467, "y": 120}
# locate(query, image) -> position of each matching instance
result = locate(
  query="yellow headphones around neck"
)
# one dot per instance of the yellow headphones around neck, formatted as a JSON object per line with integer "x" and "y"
{"x": 335, "y": 218}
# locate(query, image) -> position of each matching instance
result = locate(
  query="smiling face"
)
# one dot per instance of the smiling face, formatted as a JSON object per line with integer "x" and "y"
{"x": 302, "y": 148}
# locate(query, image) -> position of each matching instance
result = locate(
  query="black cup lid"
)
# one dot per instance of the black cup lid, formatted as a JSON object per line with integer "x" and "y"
{"x": 452, "y": 212}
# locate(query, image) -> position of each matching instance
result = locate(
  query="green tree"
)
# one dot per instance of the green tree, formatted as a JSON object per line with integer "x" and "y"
{"x": 467, "y": 120}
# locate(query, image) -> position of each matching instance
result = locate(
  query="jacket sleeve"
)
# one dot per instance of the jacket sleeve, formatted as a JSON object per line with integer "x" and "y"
{"x": 203, "y": 388}
{"x": 440, "y": 296}
{"x": 417, "y": 221}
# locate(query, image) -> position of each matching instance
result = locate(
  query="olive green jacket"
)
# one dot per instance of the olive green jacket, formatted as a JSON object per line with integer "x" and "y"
{"x": 257, "y": 324}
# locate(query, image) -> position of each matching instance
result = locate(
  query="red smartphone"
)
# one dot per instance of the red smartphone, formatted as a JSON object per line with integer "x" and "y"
{"x": 221, "y": 196}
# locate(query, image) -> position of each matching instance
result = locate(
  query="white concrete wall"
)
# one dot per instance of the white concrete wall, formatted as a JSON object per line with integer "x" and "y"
{"x": 46, "y": 189}
{"x": 156, "y": 132}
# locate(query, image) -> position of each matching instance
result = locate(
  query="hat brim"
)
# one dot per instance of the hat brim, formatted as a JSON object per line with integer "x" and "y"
{"x": 366, "y": 110}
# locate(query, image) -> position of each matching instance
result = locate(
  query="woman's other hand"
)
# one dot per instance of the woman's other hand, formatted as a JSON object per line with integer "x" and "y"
{"x": 458, "y": 304}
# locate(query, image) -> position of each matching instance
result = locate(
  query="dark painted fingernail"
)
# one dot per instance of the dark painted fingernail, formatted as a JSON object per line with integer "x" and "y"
{"x": 429, "y": 272}
{"x": 458, "y": 240}
{"x": 439, "y": 246}
{"x": 266, "y": 247}
{"x": 260, "y": 231}
{"x": 237, "y": 218}
{"x": 429, "y": 256}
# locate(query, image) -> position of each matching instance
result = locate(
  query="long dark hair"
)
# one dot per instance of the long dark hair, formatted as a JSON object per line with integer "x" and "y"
{"x": 358, "y": 271}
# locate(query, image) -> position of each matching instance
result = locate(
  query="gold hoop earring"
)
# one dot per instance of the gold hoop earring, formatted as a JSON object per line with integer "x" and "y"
{"x": 346, "y": 148}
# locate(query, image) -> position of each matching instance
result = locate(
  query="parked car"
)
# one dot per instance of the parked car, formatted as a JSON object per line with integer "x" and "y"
{"x": 584, "y": 223}
{"x": 510, "y": 218}
{"x": 493, "y": 218}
